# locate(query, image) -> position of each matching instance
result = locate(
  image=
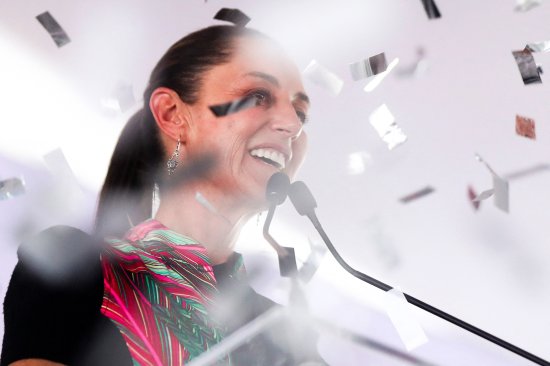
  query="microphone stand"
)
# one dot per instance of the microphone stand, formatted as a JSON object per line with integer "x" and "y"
{"x": 310, "y": 213}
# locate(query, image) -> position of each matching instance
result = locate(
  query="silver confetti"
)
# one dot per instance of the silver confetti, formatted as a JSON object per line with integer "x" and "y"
{"x": 500, "y": 190}
{"x": 235, "y": 106}
{"x": 384, "y": 123}
{"x": 526, "y": 5}
{"x": 321, "y": 76}
{"x": 11, "y": 188}
{"x": 371, "y": 66}
{"x": 54, "y": 29}
{"x": 543, "y": 46}
{"x": 377, "y": 79}
{"x": 527, "y": 67}
{"x": 358, "y": 161}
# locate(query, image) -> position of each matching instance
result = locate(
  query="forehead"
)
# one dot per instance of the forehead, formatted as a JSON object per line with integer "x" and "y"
{"x": 251, "y": 55}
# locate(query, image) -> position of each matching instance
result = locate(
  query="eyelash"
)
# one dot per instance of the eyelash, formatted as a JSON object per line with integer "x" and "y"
{"x": 265, "y": 98}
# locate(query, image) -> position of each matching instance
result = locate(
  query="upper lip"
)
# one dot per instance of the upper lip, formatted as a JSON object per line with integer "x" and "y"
{"x": 287, "y": 153}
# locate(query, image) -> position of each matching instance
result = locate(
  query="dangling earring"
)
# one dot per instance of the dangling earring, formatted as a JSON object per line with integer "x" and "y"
{"x": 173, "y": 161}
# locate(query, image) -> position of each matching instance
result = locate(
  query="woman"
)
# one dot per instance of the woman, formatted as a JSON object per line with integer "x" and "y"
{"x": 157, "y": 295}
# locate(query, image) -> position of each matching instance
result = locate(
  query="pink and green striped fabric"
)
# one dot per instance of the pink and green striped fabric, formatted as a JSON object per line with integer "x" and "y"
{"x": 158, "y": 288}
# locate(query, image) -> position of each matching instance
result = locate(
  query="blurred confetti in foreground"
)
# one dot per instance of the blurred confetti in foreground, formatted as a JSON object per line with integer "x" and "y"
{"x": 321, "y": 76}
{"x": 358, "y": 161}
{"x": 416, "y": 195}
{"x": 120, "y": 100}
{"x": 402, "y": 317}
{"x": 530, "y": 72}
{"x": 313, "y": 261}
{"x": 371, "y": 66}
{"x": 525, "y": 127}
{"x": 11, "y": 188}
{"x": 235, "y": 106}
{"x": 500, "y": 189}
{"x": 377, "y": 79}
{"x": 472, "y": 195}
{"x": 54, "y": 29}
{"x": 210, "y": 207}
{"x": 384, "y": 123}
{"x": 543, "y": 46}
{"x": 431, "y": 9}
{"x": 526, "y": 5}
{"x": 417, "y": 68}
{"x": 234, "y": 16}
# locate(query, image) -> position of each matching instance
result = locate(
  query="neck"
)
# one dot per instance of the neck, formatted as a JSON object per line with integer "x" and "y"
{"x": 181, "y": 211}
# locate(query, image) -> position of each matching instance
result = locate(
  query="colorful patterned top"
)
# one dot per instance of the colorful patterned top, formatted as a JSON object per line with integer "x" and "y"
{"x": 159, "y": 287}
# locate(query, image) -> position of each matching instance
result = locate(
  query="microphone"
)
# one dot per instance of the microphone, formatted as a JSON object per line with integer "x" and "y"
{"x": 305, "y": 204}
{"x": 276, "y": 193}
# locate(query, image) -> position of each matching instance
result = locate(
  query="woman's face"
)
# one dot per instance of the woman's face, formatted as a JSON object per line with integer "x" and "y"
{"x": 251, "y": 145}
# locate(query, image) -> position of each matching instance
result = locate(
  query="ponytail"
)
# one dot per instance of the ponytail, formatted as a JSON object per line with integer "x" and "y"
{"x": 126, "y": 194}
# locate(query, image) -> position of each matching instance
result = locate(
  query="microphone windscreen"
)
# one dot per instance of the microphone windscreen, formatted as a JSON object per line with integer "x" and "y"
{"x": 277, "y": 188}
{"x": 301, "y": 198}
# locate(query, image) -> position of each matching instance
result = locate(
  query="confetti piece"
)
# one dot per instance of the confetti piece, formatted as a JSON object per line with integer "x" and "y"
{"x": 526, "y": 5}
{"x": 235, "y": 106}
{"x": 371, "y": 66}
{"x": 234, "y": 16}
{"x": 287, "y": 263}
{"x": 384, "y": 123}
{"x": 472, "y": 195}
{"x": 358, "y": 161}
{"x": 431, "y": 9}
{"x": 528, "y": 171}
{"x": 377, "y": 79}
{"x": 500, "y": 190}
{"x": 484, "y": 195}
{"x": 57, "y": 164}
{"x": 312, "y": 262}
{"x": 402, "y": 317}
{"x": 54, "y": 29}
{"x": 155, "y": 202}
{"x": 120, "y": 100}
{"x": 525, "y": 127}
{"x": 527, "y": 67}
{"x": 11, "y": 188}
{"x": 416, "y": 195}
{"x": 321, "y": 76}
{"x": 502, "y": 194}
{"x": 205, "y": 203}
{"x": 543, "y": 46}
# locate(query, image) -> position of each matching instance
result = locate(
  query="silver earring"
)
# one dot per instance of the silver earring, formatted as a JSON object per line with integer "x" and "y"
{"x": 174, "y": 159}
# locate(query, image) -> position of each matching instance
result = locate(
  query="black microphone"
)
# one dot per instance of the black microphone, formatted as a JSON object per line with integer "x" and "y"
{"x": 304, "y": 202}
{"x": 276, "y": 193}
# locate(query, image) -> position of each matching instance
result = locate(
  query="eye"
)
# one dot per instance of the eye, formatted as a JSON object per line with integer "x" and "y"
{"x": 262, "y": 97}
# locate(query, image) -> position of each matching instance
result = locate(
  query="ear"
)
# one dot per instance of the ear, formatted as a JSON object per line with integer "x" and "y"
{"x": 168, "y": 110}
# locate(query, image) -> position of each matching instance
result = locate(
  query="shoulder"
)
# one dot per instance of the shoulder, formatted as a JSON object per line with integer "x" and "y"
{"x": 61, "y": 255}
{"x": 54, "y": 296}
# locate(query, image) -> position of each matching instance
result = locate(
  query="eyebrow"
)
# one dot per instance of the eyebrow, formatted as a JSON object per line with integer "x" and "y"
{"x": 273, "y": 80}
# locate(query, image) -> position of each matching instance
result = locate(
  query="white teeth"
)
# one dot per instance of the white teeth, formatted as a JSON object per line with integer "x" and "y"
{"x": 270, "y": 154}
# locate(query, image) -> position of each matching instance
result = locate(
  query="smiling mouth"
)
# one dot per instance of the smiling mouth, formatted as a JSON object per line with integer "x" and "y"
{"x": 269, "y": 156}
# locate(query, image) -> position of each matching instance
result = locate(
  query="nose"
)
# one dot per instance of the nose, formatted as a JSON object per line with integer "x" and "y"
{"x": 285, "y": 120}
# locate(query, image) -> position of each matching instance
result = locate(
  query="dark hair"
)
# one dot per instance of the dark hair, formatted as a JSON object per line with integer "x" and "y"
{"x": 126, "y": 194}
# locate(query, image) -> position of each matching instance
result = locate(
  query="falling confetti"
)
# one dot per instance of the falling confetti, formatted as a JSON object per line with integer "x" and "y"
{"x": 528, "y": 69}
{"x": 525, "y": 127}
{"x": 54, "y": 29}
{"x": 371, "y": 66}
{"x": 416, "y": 195}
{"x": 234, "y": 16}
{"x": 399, "y": 311}
{"x": 384, "y": 123}
{"x": 431, "y": 9}
{"x": 11, "y": 188}
{"x": 321, "y": 76}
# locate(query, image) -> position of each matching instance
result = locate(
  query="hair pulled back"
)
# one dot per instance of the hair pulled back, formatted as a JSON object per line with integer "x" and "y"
{"x": 139, "y": 156}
